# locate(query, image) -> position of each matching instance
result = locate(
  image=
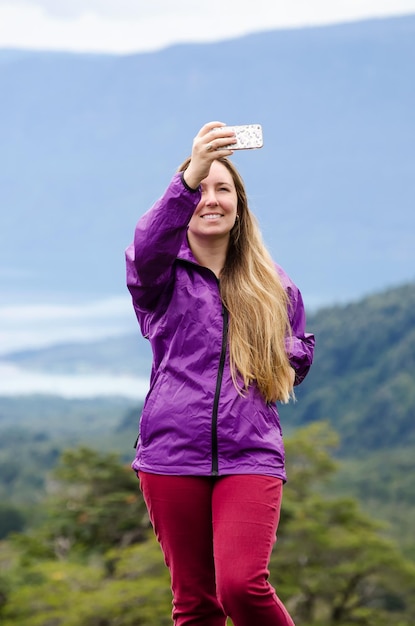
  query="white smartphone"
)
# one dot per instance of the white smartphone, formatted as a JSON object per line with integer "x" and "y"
{"x": 248, "y": 136}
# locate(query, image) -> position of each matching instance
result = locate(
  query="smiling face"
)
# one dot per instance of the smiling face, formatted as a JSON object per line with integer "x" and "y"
{"x": 215, "y": 214}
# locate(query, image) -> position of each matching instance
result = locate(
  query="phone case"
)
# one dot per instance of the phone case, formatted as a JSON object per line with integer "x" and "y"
{"x": 248, "y": 136}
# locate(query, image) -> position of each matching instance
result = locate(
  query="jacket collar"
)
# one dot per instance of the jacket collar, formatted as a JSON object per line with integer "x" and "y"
{"x": 185, "y": 252}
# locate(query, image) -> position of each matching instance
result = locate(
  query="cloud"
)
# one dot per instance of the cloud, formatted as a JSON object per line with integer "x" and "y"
{"x": 46, "y": 312}
{"x": 118, "y": 9}
{"x": 124, "y": 26}
{"x": 37, "y": 325}
{"x": 75, "y": 8}
{"x": 216, "y": 10}
{"x": 15, "y": 381}
{"x": 40, "y": 325}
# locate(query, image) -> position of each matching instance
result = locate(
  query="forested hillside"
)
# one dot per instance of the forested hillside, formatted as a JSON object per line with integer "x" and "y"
{"x": 82, "y": 526}
{"x": 362, "y": 380}
{"x": 363, "y": 377}
{"x": 363, "y": 383}
{"x": 93, "y": 561}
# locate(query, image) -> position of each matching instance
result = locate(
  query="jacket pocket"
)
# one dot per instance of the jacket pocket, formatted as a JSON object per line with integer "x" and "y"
{"x": 149, "y": 412}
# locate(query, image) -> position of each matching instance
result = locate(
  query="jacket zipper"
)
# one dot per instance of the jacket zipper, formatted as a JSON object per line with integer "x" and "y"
{"x": 215, "y": 459}
{"x": 225, "y": 315}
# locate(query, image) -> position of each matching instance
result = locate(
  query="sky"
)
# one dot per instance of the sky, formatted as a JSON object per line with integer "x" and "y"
{"x": 126, "y": 26}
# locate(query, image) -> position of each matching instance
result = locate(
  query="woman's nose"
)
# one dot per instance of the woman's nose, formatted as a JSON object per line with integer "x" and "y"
{"x": 210, "y": 198}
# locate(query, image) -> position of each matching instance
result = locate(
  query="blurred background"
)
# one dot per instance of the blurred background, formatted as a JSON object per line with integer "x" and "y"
{"x": 100, "y": 101}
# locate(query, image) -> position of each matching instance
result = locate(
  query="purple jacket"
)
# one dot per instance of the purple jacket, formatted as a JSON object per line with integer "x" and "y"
{"x": 193, "y": 420}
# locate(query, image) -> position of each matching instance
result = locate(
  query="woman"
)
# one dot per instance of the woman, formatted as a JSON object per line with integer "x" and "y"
{"x": 227, "y": 329}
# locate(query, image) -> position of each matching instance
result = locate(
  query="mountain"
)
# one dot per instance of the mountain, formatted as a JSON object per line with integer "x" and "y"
{"x": 121, "y": 355}
{"x": 362, "y": 382}
{"x": 363, "y": 376}
{"x": 362, "y": 379}
{"x": 88, "y": 142}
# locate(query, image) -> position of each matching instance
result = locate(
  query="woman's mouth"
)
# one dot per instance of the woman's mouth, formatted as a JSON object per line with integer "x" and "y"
{"x": 211, "y": 216}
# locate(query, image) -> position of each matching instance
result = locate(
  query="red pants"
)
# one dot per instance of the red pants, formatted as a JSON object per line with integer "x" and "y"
{"x": 217, "y": 536}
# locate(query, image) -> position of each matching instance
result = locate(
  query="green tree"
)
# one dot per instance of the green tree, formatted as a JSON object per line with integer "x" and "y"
{"x": 332, "y": 566}
{"x": 331, "y": 561}
{"x": 94, "y": 503}
{"x": 126, "y": 587}
{"x": 11, "y": 519}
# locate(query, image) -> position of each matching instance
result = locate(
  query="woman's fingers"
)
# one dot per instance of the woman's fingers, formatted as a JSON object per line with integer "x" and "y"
{"x": 212, "y": 142}
{"x": 209, "y": 127}
{"x": 212, "y": 137}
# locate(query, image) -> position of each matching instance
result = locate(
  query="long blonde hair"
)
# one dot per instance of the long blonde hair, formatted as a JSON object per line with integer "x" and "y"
{"x": 257, "y": 303}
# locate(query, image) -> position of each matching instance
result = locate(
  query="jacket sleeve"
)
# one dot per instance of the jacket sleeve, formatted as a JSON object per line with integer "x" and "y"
{"x": 158, "y": 237}
{"x": 300, "y": 345}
